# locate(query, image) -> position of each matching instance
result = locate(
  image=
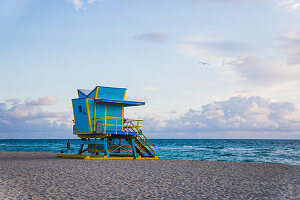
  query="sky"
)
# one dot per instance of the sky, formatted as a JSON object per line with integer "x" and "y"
{"x": 205, "y": 68}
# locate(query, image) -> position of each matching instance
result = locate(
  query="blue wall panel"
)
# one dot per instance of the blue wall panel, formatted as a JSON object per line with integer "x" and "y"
{"x": 114, "y": 110}
{"x": 100, "y": 111}
{"x": 111, "y": 93}
{"x": 80, "y": 113}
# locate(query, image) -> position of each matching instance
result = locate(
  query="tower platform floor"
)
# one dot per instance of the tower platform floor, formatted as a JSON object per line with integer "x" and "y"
{"x": 83, "y": 156}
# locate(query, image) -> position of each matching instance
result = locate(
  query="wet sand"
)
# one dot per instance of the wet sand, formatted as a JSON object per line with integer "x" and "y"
{"x": 27, "y": 175}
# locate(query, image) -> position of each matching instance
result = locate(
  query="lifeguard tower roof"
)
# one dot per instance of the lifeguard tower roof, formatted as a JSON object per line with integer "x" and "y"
{"x": 113, "y": 95}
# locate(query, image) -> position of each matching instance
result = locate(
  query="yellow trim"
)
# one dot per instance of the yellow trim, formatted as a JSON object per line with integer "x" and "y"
{"x": 113, "y": 117}
{"x": 74, "y": 116}
{"x": 105, "y": 118}
{"x": 134, "y": 119}
{"x": 91, "y": 135}
{"x": 112, "y": 125}
{"x": 124, "y": 94}
{"x": 123, "y": 116}
{"x": 95, "y": 116}
{"x": 97, "y": 90}
{"x": 83, "y": 133}
{"x": 88, "y": 114}
{"x": 82, "y": 156}
{"x": 96, "y": 94}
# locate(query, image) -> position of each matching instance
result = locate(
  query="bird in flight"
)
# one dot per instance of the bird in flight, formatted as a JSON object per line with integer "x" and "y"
{"x": 203, "y": 63}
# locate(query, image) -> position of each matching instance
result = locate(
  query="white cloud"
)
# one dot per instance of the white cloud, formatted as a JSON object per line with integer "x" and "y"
{"x": 254, "y": 70}
{"x": 91, "y": 1}
{"x": 30, "y": 118}
{"x": 276, "y": 66}
{"x": 41, "y": 101}
{"x": 78, "y": 4}
{"x": 13, "y": 101}
{"x": 152, "y": 36}
{"x": 291, "y": 5}
{"x": 289, "y": 44}
{"x": 207, "y": 49}
{"x": 243, "y": 114}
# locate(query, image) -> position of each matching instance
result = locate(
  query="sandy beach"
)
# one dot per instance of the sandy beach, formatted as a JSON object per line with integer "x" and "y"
{"x": 27, "y": 175}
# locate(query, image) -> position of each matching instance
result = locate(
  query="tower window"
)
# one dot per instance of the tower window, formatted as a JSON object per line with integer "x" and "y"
{"x": 80, "y": 108}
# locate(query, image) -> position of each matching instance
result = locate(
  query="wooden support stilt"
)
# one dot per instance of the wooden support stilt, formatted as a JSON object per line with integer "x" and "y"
{"x": 106, "y": 147}
{"x": 81, "y": 149}
{"x": 133, "y": 147}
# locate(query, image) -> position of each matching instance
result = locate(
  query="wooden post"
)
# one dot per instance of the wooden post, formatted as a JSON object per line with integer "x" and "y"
{"x": 106, "y": 147}
{"x": 133, "y": 147}
{"x": 81, "y": 149}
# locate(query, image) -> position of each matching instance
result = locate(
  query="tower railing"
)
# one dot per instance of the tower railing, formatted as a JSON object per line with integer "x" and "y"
{"x": 133, "y": 125}
{"x": 115, "y": 124}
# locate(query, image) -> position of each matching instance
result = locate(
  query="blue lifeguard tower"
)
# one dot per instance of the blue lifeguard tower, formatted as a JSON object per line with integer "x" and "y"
{"x": 104, "y": 131}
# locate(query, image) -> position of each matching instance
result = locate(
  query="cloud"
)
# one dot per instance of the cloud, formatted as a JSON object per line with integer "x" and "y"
{"x": 289, "y": 43}
{"x": 41, "y": 101}
{"x": 213, "y": 51}
{"x": 13, "y": 101}
{"x": 275, "y": 66}
{"x": 291, "y": 5}
{"x": 199, "y": 47}
{"x": 279, "y": 68}
{"x": 243, "y": 114}
{"x": 78, "y": 4}
{"x": 222, "y": 47}
{"x": 151, "y": 125}
{"x": 153, "y": 37}
{"x": 254, "y": 70}
{"x": 29, "y": 118}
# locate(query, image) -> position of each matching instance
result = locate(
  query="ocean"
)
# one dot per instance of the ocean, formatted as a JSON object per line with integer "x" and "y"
{"x": 232, "y": 150}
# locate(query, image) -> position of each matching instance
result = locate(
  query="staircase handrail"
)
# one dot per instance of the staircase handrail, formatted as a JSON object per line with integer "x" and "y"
{"x": 145, "y": 143}
{"x": 148, "y": 140}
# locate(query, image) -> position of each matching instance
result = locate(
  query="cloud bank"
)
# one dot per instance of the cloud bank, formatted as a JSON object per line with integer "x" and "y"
{"x": 42, "y": 101}
{"x": 242, "y": 115}
{"x": 28, "y": 120}
{"x": 239, "y": 114}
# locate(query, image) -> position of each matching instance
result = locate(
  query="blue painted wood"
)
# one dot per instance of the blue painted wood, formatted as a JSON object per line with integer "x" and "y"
{"x": 133, "y": 148}
{"x": 125, "y": 103}
{"x": 92, "y": 93}
{"x": 81, "y": 95}
{"x": 106, "y": 147}
{"x": 114, "y": 110}
{"x": 81, "y": 117}
{"x": 111, "y": 93}
{"x": 91, "y": 109}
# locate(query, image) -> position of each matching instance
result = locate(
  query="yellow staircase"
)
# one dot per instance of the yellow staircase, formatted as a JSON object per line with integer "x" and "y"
{"x": 144, "y": 146}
